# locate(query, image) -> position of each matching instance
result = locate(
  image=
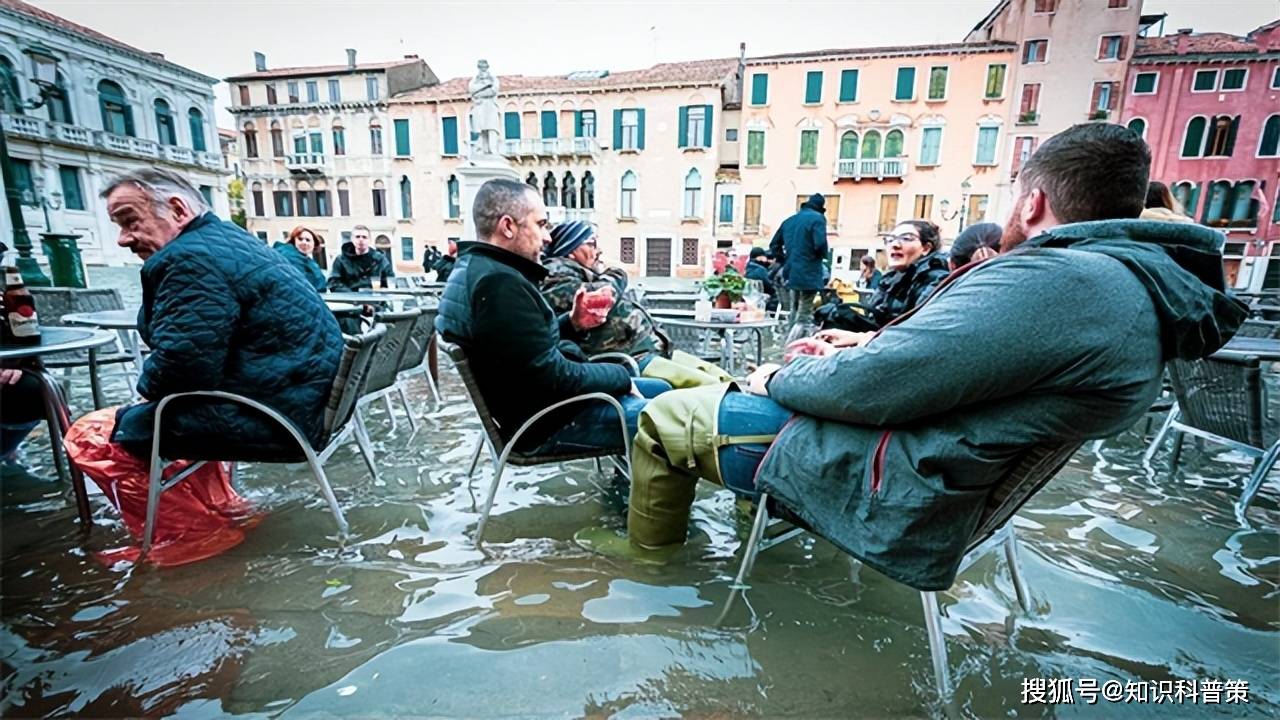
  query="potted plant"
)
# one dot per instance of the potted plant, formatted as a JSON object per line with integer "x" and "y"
{"x": 726, "y": 288}
{"x": 1099, "y": 115}
{"x": 1029, "y": 117}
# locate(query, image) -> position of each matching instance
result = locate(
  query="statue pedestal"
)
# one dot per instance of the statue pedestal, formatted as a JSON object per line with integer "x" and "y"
{"x": 473, "y": 174}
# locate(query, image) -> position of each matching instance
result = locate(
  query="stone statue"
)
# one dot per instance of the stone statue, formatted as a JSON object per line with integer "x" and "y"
{"x": 484, "y": 113}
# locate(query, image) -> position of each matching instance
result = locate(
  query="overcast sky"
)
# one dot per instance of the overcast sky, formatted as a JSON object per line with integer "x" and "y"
{"x": 552, "y": 38}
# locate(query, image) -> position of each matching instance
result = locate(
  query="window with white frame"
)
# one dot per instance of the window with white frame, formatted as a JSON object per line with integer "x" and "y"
{"x": 1204, "y": 81}
{"x": 930, "y": 145}
{"x": 1234, "y": 79}
{"x": 984, "y": 152}
{"x": 1270, "y": 138}
{"x": 697, "y": 126}
{"x": 627, "y": 196}
{"x": 693, "y": 194}
{"x": 1145, "y": 83}
{"x": 630, "y": 130}
{"x": 808, "y": 148}
{"x": 1111, "y": 47}
{"x": 452, "y": 198}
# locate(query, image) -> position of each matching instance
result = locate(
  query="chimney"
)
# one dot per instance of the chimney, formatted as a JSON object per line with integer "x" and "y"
{"x": 351, "y": 58}
{"x": 411, "y": 57}
{"x": 1184, "y": 39}
{"x": 259, "y": 62}
{"x": 158, "y": 55}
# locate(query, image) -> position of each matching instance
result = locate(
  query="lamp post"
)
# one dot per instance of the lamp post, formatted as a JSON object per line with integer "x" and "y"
{"x": 45, "y": 76}
{"x": 961, "y": 211}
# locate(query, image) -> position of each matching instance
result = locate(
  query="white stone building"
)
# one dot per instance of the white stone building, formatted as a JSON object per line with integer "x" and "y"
{"x": 119, "y": 108}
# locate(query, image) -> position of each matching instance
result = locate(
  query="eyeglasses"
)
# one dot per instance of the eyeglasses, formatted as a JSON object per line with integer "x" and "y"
{"x": 902, "y": 239}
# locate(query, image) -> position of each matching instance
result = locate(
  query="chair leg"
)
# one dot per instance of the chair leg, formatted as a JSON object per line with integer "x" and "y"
{"x": 233, "y": 473}
{"x": 95, "y": 382}
{"x": 155, "y": 485}
{"x": 391, "y": 412}
{"x": 1255, "y": 482}
{"x": 1160, "y": 436}
{"x": 408, "y": 409}
{"x": 753, "y": 542}
{"x": 366, "y": 448}
{"x": 317, "y": 470}
{"x": 475, "y": 456}
{"x": 488, "y": 502}
{"x": 937, "y": 644}
{"x": 436, "y": 399}
{"x": 1015, "y": 570}
{"x": 1177, "y": 452}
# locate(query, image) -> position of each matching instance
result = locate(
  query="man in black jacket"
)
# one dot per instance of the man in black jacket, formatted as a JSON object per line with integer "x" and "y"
{"x": 492, "y": 308}
{"x": 360, "y": 265}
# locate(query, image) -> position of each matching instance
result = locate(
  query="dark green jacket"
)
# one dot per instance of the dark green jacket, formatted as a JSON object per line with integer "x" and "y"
{"x": 800, "y": 245}
{"x": 1063, "y": 339}
{"x": 352, "y": 272}
{"x": 900, "y": 290}
{"x": 492, "y": 308}
{"x": 305, "y": 265}
{"x": 628, "y": 329}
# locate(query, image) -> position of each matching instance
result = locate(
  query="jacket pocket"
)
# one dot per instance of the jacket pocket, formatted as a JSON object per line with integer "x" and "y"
{"x": 877, "y": 462}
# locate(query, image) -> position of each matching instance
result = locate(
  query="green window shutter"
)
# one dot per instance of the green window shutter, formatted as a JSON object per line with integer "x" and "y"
{"x": 849, "y": 145}
{"x": 402, "y": 136}
{"x": 617, "y": 129}
{"x": 449, "y": 129}
{"x": 706, "y": 127}
{"x": 681, "y": 140}
{"x": 1270, "y": 137}
{"x": 930, "y": 144}
{"x": 549, "y": 129}
{"x": 300, "y": 144}
{"x": 755, "y": 147}
{"x": 511, "y": 123}
{"x": 987, "y": 137}
{"x": 72, "y": 195}
{"x": 937, "y": 83}
{"x": 1145, "y": 83}
{"x": 906, "y": 87}
{"x": 848, "y": 86}
{"x": 760, "y": 89}
{"x": 577, "y": 123}
{"x": 1194, "y": 139}
{"x": 1205, "y": 79}
{"x": 640, "y": 128}
{"x": 808, "y": 147}
{"x": 995, "y": 81}
{"x": 813, "y": 87}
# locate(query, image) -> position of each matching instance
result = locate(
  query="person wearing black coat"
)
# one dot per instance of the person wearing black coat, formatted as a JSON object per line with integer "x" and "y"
{"x": 515, "y": 344}
{"x": 360, "y": 265}
{"x": 800, "y": 245}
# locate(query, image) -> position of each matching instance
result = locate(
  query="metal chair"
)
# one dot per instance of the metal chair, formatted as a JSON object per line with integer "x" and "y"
{"x": 415, "y": 357}
{"x": 1034, "y": 467}
{"x": 53, "y": 303}
{"x": 385, "y": 367}
{"x": 348, "y": 385}
{"x": 1255, "y": 328}
{"x": 502, "y": 446}
{"x": 1222, "y": 400}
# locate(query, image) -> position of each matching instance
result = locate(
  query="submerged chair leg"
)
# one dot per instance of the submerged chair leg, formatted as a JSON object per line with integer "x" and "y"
{"x": 1159, "y": 438}
{"x": 317, "y": 470}
{"x": 391, "y": 412}
{"x": 1251, "y": 487}
{"x": 498, "y": 469}
{"x": 1015, "y": 570}
{"x": 1177, "y": 452}
{"x": 753, "y": 542}
{"x": 366, "y": 447}
{"x": 937, "y": 644}
{"x": 408, "y": 409}
{"x": 475, "y": 456}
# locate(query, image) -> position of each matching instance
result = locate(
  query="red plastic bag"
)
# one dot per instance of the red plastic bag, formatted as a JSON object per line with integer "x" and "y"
{"x": 199, "y": 518}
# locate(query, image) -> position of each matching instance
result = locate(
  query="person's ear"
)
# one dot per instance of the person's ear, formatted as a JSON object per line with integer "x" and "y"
{"x": 1035, "y": 208}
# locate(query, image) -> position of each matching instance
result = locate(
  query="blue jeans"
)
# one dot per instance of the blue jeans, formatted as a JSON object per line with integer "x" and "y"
{"x": 745, "y": 414}
{"x": 596, "y": 426}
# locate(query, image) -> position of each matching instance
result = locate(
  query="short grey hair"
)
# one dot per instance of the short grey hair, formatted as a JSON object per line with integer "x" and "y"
{"x": 497, "y": 198}
{"x": 160, "y": 185}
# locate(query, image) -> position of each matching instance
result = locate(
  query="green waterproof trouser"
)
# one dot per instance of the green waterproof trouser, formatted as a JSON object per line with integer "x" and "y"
{"x": 677, "y": 443}
{"x": 685, "y": 371}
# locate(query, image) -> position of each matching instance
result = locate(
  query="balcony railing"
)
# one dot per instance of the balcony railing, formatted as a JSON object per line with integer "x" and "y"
{"x": 854, "y": 169}
{"x": 22, "y": 126}
{"x": 304, "y": 162}
{"x": 550, "y": 147}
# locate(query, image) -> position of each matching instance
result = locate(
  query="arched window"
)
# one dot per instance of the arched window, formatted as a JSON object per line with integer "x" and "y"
{"x": 1222, "y": 136}
{"x": 1139, "y": 127}
{"x": 282, "y": 198}
{"x": 406, "y": 197}
{"x": 532, "y": 181}
{"x": 277, "y": 139}
{"x": 250, "y": 140}
{"x": 871, "y": 145}
{"x": 849, "y": 145}
{"x": 550, "y": 191}
{"x": 11, "y": 94}
{"x": 117, "y": 117}
{"x": 1188, "y": 196}
{"x": 1267, "y": 145}
{"x": 1244, "y": 209}
{"x": 893, "y": 144}
{"x": 195, "y": 119}
{"x": 588, "y": 191}
{"x": 569, "y": 191}
{"x": 375, "y": 137}
{"x": 452, "y": 197}
{"x": 165, "y": 131}
{"x": 256, "y": 197}
{"x": 344, "y": 198}
{"x": 627, "y": 196}
{"x": 1193, "y": 138}
{"x": 693, "y": 193}
{"x": 339, "y": 138}
{"x": 59, "y": 103}
{"x": 379, "y": 198}
{"x": 1215, "y": 208}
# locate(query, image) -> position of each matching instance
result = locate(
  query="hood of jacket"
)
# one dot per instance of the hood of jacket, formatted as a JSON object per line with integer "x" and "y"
{"x": 816, "y": 202}
{"x": 366, "y": 260}
{"x": 1179, "y": 264}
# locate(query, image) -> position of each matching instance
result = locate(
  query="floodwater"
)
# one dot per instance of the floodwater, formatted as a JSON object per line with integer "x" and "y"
{"x": 1134, "y": 576}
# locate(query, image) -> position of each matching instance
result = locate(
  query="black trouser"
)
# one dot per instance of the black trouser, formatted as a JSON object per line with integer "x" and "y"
{"x": 800, "y": 306}
{"x": 21, "y": 409}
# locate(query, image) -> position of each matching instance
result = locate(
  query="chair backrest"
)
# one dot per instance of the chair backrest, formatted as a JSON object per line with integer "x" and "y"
{"x": 1222, "y": 396}
{"x": 463, "y": 366}
{"x": 353, "y": 373}
{"x": 1255, "y": 328}
{"x": 386, "y": 360}
{"x": 1034, "y": 467}
{"x": 424, "y": 328}
{"x": 53, "y": 303}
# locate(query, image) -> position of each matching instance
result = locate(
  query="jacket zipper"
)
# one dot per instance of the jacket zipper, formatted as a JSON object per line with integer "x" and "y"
{"x": 877, "y": 462}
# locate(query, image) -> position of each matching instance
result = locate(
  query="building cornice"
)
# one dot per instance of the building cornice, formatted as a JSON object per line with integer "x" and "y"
{"x": 716, "y": 84}
{"x": 1206, "y": 58}
{"x": 293, "y": 109}
{"x": 884, "y": 52}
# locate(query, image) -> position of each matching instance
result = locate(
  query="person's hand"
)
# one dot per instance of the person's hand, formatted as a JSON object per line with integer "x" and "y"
{"x": 982, "y": 253}
{"x": 758, "y": 380}
{"x": 590, "y": 309}
{"x": 807, "y": 346}
{"x": 9, "y": 376}
{"x": 843, "y": 338}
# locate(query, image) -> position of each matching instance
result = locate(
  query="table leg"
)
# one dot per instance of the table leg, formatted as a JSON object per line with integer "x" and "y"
{"x": 58, "y": 417}
{"x": 726, "y": 351}
{"x": 134, "y": 342}
{"x": 95, "y": 382}
{"x": 759, "y": 345}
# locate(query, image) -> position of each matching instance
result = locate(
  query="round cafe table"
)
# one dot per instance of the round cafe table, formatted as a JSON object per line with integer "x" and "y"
{"x": 382, "y": 297}
{"x": 726, "y": 337}
{"x": 57, "y": 413}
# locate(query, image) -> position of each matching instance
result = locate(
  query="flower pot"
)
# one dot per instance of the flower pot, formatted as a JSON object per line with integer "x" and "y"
{"x": 723, "y": 301}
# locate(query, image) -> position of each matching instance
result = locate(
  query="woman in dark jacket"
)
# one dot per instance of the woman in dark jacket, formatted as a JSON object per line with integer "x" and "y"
{"x": 305, "y": 251}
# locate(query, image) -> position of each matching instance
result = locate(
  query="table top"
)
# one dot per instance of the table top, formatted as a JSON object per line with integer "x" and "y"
{"x": 59, "y": 339}
{"x": 709, "y": 325}
{"x": 105, "y": 319}
{"x": 1261, "y": 348}
{"x": 380, "y": 297}
{"x": 430, "y": 289}
{"x": 341, "y": 308}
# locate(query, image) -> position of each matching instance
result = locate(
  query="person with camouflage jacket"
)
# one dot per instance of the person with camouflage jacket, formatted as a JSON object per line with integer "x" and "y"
{"x": 574, "y": 264}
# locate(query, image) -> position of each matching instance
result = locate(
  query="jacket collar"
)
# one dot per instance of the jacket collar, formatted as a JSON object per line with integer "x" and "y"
{"x": 532, "y": 271}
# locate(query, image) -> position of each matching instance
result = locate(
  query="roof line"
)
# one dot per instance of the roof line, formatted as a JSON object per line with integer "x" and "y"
{"x": 555, "y": 91}
{"x": 934, "y": 48}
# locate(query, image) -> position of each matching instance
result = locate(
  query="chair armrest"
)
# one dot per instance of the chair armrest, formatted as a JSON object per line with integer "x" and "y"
{"x": 275, "y": 416}
{"x": 623, "y": 358}
{"x": 606, "y": 397}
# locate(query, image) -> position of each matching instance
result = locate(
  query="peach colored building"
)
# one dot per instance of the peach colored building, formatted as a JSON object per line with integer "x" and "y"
{"x": 887, "y": 134}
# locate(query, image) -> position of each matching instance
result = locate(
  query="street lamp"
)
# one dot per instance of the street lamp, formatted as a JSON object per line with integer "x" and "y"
{"x": 44, "y": 66}
{"x": 945, "y": 205}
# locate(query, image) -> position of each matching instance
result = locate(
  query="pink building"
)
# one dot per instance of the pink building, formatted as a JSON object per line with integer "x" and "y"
{"x": 1209, "y": 106}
